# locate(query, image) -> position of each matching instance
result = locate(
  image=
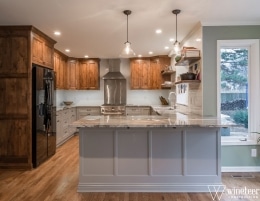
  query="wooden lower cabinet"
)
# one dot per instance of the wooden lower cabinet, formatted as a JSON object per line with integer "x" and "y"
{"x": 63, "y": 130}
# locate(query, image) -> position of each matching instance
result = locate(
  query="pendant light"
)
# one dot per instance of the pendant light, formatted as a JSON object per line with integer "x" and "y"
{"x": 127, "y": 51}
{"x": 176, "y": 45}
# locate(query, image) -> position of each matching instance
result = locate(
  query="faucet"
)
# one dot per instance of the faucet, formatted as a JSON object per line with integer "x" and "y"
{"x": 172, "y": 101}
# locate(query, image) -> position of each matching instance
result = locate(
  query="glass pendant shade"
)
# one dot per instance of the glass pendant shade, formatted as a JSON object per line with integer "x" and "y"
{"x": 177, "y": 48}
{"x": 127, "y": 51}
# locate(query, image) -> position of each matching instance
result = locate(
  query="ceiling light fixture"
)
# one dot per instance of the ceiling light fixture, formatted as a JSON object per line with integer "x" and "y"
{"x": 57, "y": 33}
{"x": 176, "y": 45}
{"x": 127, "y": 51}
{"x": 158, "y": 31}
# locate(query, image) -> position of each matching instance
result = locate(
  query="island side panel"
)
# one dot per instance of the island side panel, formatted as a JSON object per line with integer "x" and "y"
{"x": 149, "y": 159}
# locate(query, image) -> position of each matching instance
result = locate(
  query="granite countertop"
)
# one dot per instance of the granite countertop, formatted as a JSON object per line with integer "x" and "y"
{"x": 173, "y": 120}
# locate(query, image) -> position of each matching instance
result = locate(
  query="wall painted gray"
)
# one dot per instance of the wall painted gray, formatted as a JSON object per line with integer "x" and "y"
{"x": 231, "y": 155}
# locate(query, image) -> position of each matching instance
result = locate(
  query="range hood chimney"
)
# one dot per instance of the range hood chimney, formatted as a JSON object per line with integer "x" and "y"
{"x": 114, "y": 70}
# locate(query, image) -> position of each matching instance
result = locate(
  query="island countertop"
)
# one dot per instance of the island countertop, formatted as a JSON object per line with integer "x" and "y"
{"x": 175, "y": 119}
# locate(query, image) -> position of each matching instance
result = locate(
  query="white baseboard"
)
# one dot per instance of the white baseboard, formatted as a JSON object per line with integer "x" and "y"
{"x": 241, "y": 169}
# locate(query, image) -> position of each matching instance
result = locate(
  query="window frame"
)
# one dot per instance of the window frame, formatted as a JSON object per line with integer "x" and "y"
{"x": 253, "y": 83}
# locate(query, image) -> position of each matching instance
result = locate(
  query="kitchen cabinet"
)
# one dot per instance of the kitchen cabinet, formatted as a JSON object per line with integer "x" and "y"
{"x": 42, "y": 50}
{"x": 17, "y": 54}
{"x": 72, "y": 74}
{"x": 140, "y": 73}
{"x": 63, "y": 130}
{"x": 60, "y": 68}
{"x": 138, "y": 110}
{"x": 87, "y": 110}
{"x": 146, "y": 72}
{"x": 89, "y": 74}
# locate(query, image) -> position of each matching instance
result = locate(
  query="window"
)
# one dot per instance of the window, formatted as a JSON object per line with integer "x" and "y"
{"x": 238, "y": 89}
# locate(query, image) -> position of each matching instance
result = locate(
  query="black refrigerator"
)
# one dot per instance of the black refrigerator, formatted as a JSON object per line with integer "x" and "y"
{"x": 43, "y": 115}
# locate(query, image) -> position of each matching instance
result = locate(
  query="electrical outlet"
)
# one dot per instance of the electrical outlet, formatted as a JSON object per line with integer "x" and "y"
{"x": 253, "y": 153}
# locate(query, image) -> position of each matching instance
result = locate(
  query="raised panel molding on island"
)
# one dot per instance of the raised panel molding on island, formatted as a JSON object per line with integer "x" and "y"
{"x": 151, "y": 160}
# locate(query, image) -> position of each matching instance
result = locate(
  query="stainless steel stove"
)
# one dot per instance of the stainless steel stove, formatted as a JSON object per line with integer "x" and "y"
{"x": 112, "y": 109}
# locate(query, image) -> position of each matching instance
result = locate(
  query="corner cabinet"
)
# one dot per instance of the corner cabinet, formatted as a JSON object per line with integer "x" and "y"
{"x": 17, "y": 53}
{"x": 89, "y": 74}
{"x": 60, "y": 68}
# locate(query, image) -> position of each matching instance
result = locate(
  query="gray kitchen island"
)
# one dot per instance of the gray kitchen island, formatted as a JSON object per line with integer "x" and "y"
{"x": 172, "y": 153}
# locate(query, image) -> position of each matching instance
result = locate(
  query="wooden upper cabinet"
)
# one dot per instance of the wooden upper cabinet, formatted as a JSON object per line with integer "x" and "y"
{"x": 140, "y": 73}
{"x": 156, "y": 78}
{"x": 72, "y": 74}
{"x": 89, "y": 74}
{"x": 42, "y": 50}
{"x": 60, "y": 68}
{"x": 146, "y": 72}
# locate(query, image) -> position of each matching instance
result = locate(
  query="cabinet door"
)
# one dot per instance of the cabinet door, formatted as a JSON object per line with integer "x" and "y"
{"x": 60, "y": 66}
{"x": 156, "y": 78}
{"x": 42, "y": 51}
{"x": 140, "y": 74}
{"x": 72, "y": 74}
{"x": 58, "y": 70}
{"x": 89, "y": 74}
{"x": 37, "y": 50}
{"x": 48, "y": 55}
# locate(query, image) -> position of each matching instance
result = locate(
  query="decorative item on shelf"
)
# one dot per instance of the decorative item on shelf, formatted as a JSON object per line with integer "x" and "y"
{"x": 188, "y": 76}
{"x": 178, "y": 58}
{"x": 190, "y": 52}
{"x": 67, "y": 103}
{"x": 127, "y": 51}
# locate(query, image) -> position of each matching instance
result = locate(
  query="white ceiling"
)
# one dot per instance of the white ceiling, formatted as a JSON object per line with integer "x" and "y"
{"x": 98, "y": 27}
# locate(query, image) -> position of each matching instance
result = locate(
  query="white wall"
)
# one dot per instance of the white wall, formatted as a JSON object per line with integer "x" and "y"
{"x": 96, "y": 97}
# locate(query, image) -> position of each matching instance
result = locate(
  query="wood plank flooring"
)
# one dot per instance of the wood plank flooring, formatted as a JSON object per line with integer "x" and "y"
{"x": 57, "y": 179}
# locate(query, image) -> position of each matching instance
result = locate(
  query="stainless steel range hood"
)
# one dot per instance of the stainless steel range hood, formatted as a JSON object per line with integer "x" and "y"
{"x": 114, "y": 84}
{"x": 114, "y": 70}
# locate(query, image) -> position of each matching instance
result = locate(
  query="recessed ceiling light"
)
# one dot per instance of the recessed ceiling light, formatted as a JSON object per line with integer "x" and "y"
{"x": 158, "y": 31}
{"x": 150, "y": 52}
{"x": 139, "y": 55}
{"x": 171, "y": 40}
{"x": 67, "y": 50}
{"x": 57, "y": 33}
{"x": 86, "y": 56}
{"x": 198, "y": 39}
{"x": 166, "y": 47}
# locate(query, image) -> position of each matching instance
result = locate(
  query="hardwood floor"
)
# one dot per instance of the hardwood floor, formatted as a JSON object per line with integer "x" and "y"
{"x": 57, "y": 179}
